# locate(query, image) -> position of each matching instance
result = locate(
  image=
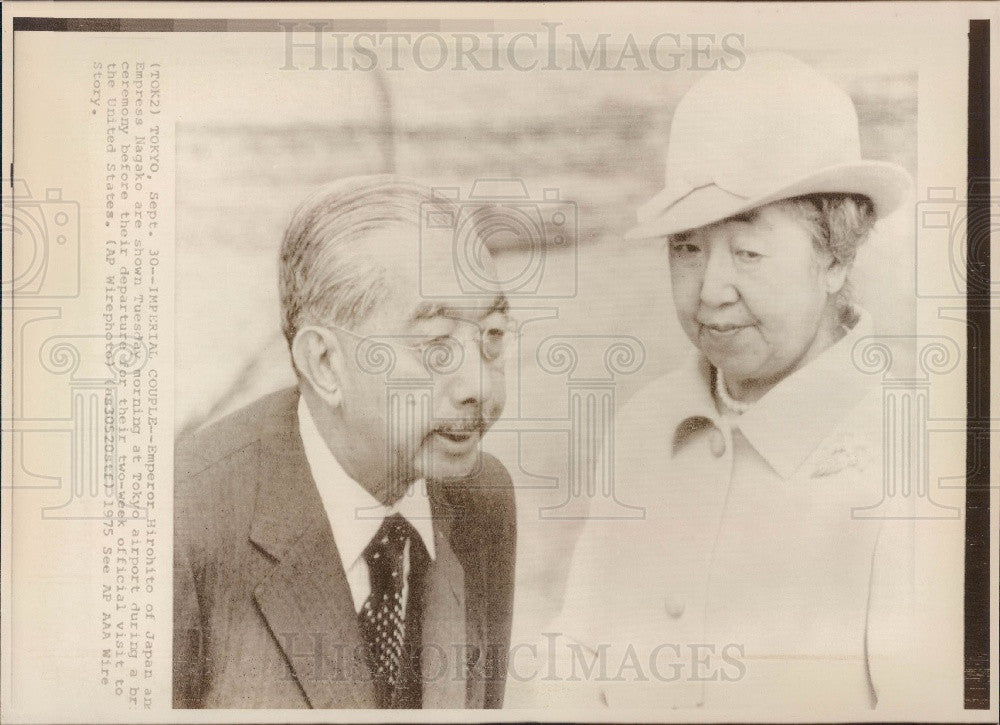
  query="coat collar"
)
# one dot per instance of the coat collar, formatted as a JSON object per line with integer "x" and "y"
{"x": 306, "y": 600}
{"x": 791, "y": 419}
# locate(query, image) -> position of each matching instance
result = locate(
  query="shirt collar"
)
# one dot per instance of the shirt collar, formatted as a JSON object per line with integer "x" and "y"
{"x": 792, "y": 418}
{"x": 354, "y": 514}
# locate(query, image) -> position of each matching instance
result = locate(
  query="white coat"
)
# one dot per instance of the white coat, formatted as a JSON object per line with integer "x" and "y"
{"x": 755, "y": 577}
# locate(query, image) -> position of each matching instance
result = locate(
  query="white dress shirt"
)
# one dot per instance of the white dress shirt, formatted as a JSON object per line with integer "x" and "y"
{"x": 355, "y": 515}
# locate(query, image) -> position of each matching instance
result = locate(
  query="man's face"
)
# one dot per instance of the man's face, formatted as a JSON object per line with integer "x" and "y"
{"x": 424, "y": 376}
{"x": 751, "y": 294}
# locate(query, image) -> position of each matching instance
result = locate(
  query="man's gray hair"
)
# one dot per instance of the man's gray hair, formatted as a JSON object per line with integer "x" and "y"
{"x": 326, "y": 275}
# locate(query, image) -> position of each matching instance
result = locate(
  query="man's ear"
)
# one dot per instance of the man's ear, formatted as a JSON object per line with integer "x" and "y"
{"x": 318, "y": 357}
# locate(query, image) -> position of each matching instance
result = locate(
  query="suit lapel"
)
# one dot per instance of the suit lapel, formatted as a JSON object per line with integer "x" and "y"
{"x": 452, "y": 636}
{"x": 443, "y": 650}
{"x": 475, "y": 628}
{"x": 305, "y": 598}
{"x": 307, "y": 603}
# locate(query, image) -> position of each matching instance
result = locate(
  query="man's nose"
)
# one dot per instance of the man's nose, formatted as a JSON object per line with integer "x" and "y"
{"x": 718, "y": 287}
{"x": 468, "y": 386}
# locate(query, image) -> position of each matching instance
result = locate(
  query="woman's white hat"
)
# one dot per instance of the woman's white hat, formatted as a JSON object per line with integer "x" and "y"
{"x": 772, "y": 130}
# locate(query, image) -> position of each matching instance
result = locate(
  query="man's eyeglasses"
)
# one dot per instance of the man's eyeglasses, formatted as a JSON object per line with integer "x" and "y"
{"x": 444, "y": 353}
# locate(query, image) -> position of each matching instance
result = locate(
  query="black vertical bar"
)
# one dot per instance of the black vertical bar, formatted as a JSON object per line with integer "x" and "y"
{"x": 977, "y": 440}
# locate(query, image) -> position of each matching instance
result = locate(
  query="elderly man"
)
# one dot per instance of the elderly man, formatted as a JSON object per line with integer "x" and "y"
{"x": 346, "y": 544}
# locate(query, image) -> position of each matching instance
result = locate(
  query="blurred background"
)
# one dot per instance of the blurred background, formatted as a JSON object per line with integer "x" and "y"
{"x": 252, "y": 149}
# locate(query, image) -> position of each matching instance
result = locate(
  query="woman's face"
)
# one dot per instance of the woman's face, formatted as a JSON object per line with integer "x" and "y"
{"x": 755, "y": 297}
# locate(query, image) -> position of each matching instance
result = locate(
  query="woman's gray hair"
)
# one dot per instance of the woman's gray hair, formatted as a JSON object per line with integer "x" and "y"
{"x": 839, "y": 224}
{"x": 327, "y": 275}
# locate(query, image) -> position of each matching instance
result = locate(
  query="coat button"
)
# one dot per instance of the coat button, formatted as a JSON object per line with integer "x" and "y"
{"x": 716, "y": 443}
{"x": 674, "y": 607}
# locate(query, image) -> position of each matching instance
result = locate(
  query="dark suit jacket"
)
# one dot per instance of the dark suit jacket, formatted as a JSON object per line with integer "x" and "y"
{"x": 263, "y": 616}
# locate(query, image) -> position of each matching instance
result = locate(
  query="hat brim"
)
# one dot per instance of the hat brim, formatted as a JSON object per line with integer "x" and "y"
{"x": 886, "y": 184}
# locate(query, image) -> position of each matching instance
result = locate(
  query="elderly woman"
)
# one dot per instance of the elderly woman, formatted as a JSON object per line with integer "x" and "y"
{"x": 754, "y": 578}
